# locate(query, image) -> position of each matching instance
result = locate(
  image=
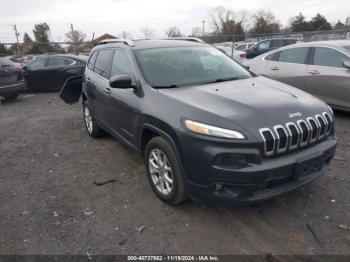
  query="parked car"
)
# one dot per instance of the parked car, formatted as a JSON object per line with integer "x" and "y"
{"x": 244, "y": 46}
{"x": 238, "y": 56}
{"x": 50, "y": 72}
{"x": 319, "y": 68}
{"x": 11, "y": 79}
{"x": 205, "y": 127}
{"x": 268, "y": 45}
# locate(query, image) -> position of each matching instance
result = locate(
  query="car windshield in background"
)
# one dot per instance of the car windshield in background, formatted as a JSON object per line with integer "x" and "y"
{"x": 184, "y": 66}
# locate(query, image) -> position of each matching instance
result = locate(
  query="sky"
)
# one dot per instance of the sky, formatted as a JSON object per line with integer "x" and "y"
{"x": 115, "y": 16}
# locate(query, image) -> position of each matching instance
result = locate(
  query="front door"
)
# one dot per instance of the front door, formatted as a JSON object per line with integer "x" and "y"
{"x": 123, "y": 115}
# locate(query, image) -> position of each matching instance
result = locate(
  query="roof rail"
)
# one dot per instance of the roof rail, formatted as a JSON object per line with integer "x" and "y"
{"x": 119, "y": 40}
{"x": 183, "y": 38}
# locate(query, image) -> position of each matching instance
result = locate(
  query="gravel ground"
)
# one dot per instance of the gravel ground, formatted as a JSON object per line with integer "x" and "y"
{"x": 49, "y": 204}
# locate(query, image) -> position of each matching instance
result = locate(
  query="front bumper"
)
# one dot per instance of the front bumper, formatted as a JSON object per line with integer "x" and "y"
{"x": 258, "y": 179}
{"x": 12, "y": 88}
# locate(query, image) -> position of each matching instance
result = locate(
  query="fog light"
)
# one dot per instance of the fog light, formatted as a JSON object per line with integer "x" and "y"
{"x": 218, "y": 187}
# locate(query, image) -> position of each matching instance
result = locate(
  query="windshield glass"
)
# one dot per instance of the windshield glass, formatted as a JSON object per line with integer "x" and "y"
{"x": 347, "y": 47}
{"x": 182, "y": 66}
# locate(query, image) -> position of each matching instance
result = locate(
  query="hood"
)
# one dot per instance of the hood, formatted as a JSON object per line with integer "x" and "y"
{"x": 250, "y": 103}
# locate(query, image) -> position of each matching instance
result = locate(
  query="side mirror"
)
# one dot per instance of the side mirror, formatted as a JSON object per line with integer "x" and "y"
{"x": 346, "y": 63}
{"x": 121, "y": 81}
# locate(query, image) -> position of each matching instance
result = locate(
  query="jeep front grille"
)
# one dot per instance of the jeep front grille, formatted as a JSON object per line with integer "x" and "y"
{"x": 290, "y": 136}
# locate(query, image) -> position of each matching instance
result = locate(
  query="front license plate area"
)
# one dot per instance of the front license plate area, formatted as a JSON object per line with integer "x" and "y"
{"x": 308, "y": 166}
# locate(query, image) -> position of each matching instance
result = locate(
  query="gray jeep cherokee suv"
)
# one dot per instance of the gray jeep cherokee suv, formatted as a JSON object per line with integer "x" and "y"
{"x": 205, "y": 127}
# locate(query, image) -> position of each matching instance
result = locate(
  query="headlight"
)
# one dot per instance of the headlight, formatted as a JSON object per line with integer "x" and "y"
{"x": 204, "y": 129}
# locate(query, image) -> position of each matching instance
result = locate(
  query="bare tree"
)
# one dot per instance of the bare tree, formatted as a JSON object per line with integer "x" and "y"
{"x": 226, "y": 21}
{"x": 148, "y": 32}
{"x": 75, "y": 36}
{"x": 173, "y": 31}
{"x": 197, "y": 32}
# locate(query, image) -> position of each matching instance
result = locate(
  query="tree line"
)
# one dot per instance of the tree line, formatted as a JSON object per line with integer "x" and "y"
{"x": 222, "y": 22}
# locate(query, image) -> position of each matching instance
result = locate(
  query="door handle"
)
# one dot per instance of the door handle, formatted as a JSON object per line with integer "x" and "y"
{"x": 314, "y": 72}
{"x": 88, "y": 78}
{"x": 275, "y": 68}
{"x": 107, "y": 90}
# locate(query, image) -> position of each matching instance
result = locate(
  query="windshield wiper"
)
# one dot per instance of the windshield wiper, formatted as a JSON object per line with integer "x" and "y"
{"x": 169, "y": 86}
{"x": 218, "y": 80}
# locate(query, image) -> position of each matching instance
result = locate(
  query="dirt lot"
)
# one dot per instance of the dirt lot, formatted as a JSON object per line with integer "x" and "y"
{"x": 49, "y": 204}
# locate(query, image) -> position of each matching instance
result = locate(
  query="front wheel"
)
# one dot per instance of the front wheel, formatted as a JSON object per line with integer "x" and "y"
{"x": 164, "y": 172}
{"x": 90, "y": 124}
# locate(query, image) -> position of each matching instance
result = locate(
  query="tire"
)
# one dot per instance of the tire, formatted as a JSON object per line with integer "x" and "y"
{"x": 11, "y": 97}
{"x": 171, "y": 193}
{"x": 90, "y": 124}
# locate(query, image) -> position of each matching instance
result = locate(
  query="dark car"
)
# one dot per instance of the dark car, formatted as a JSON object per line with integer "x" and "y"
{"x": 11, "y": 79}
{"x": 205, "y": 126}
{"x": 50, "y": 72}
{"x": 268, "y": 45}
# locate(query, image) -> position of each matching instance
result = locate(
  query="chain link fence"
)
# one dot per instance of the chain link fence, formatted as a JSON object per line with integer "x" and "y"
{"x": 14, "y": 79}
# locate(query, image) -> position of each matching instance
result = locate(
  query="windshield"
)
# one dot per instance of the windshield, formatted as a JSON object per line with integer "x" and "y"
{"x": 183, "y": 66}
{"x": 347, "y": 47}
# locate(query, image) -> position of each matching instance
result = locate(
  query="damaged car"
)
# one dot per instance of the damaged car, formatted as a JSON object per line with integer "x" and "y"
{"x": 206, "y": 127}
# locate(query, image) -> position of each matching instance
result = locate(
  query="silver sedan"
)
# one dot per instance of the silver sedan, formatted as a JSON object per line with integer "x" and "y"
{"x": 320, "y": 68}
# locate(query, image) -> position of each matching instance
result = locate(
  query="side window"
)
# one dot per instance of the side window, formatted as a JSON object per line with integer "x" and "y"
{"x": 273, "y": 56}
{"x": 294, "y": 55}
{"x": 103, "y": 63}
{"x": 59, "y": 61}
{"x": 92, "y": 60}
{"x": 289, "y": 42}
{"x": 264, "y": 45}
{"x": 276, "y": 43}
{"x": 39, "y": 62}
{"x": 121, "y": 64}
{"x": 324, "y": 56}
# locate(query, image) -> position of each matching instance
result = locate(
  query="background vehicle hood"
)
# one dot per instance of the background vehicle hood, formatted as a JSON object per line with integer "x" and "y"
{"x": 254, "y": 102}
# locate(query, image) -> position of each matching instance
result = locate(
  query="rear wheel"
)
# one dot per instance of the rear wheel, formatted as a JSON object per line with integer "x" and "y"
{"x": 164, "y": 172}
{"x": 90, "y": 124}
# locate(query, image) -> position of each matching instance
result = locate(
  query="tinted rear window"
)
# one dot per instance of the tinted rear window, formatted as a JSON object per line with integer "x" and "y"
{"x": 294, "y": 55}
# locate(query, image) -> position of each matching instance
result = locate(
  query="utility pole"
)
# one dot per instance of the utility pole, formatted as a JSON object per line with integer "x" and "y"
{"x": 203, "y": 28}
{"x": 17, "y": 35}
{"x": 73, "y": 37}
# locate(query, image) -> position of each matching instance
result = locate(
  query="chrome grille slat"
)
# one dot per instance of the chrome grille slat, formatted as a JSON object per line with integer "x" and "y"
{"x": 311, "y": 120}
{"x": 291, "y": 144}
{"x": 278, "y": 148}
{"x": 300, "y": 123}
{"x": 262, "y": 131}
{"x": 293, "y": 135}
{"x": 321, "y": 132}
{"x": 328, "y": 118}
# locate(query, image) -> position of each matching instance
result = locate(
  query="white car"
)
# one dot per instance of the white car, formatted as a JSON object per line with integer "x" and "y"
{"x": 238, "y": 55}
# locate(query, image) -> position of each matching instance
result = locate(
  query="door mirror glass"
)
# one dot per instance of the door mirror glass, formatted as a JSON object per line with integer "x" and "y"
{"x": 120, "y": 81}
{"x": 346, "y": 64}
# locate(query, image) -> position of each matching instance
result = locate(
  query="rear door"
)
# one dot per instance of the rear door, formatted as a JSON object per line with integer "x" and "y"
{"x": 55, "y": 75}
{"x": 289, "y": 66}
{"x": 35, "y": 74}
{"x": 327, "y": 78}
